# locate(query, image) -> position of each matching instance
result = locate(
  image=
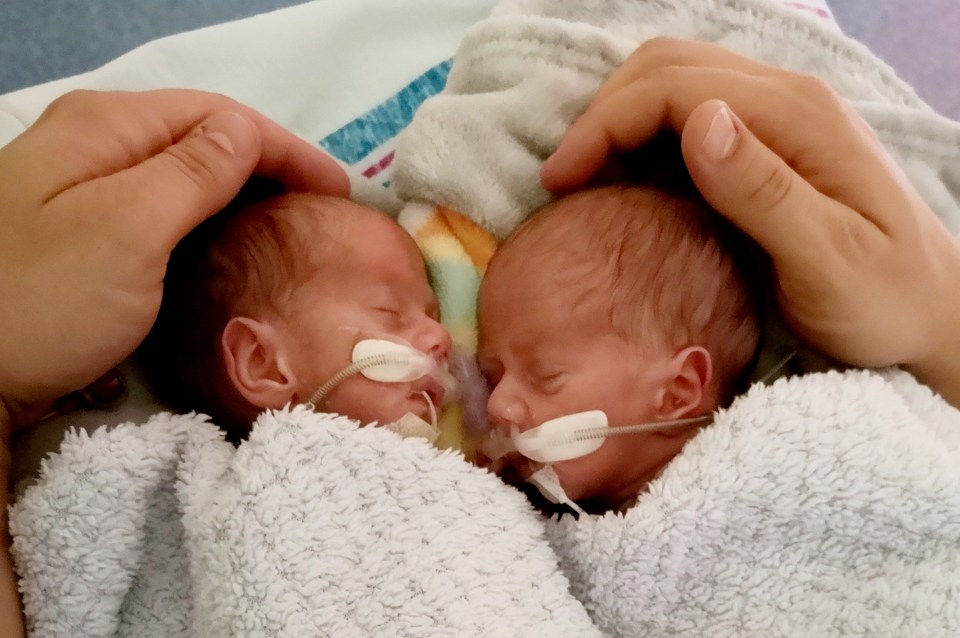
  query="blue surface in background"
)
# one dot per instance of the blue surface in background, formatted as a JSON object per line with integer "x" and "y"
{"x": 42, "y": 40}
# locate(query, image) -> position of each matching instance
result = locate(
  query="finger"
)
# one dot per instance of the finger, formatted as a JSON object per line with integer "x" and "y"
{"x": 593, "y": 138}
{"x": 161, "y": 199}
{"x": 627, "y": 119}
{"x": 90, "y": 134}
{"x": 283, "y": 156}
{"x": 771, "y": 106}
{"x": 754, "y": 188}
{"x": 660, "y": 52}
{"x": 297, "y": 165}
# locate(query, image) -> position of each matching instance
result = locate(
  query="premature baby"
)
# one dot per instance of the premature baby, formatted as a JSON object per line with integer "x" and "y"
{"x": 263, "y": 305}
{"x": 627, "y": 300}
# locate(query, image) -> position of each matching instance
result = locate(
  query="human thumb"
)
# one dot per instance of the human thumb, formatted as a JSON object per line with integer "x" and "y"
{"x": 191, "y": 179}
{"x": 752, "y": 186}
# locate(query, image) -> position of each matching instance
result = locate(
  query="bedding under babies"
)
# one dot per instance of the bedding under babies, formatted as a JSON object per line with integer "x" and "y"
{"x": 824, "y": 505}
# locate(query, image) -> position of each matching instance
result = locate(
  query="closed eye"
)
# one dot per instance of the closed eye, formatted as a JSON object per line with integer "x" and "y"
{"x": 389, "y": 317}
{"x": 548, "y": 382}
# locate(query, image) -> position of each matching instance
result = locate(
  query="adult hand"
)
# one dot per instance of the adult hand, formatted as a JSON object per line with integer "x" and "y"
{"x": 93, "y": 197}
{"x": 866, "y": 272}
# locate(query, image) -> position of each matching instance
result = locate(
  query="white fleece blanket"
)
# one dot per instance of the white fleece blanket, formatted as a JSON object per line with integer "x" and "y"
{"x": 312, "y": 527}
{"x": 825, "y": 505}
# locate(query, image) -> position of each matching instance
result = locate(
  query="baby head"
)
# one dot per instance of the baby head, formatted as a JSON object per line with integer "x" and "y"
{"x": 263, "y": 305}
{"x": 622, "y": 299}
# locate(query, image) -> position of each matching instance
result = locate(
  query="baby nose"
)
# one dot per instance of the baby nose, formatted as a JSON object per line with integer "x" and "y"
{"x": 433, "y": 339}
{"x": 506, "y": 408}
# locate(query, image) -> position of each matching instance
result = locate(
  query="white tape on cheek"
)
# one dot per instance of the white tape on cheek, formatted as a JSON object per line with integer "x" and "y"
{"x": 401, "y": 363}
{"x": 412, "y": 426}
{"x": 546, "y": 480}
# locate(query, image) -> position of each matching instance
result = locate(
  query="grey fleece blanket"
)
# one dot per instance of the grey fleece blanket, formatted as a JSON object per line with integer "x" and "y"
{"x": 824, "y": 505}
{"x": 522, "y": 76}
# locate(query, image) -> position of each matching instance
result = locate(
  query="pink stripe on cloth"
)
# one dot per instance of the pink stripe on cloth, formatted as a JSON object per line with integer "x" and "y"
{"x": 370, "y": 171}
{"x": 820, "y": 11}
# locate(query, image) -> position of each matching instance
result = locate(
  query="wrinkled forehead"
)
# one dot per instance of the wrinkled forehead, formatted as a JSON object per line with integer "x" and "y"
{"x": 550, "y": 284}
{"x": 346, "y": 230}
{"x": 368, "y": 248}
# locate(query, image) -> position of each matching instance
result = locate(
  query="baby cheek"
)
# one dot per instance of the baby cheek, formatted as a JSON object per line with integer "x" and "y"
{"x": 589, "y": 476}
{"x": 575, "y": 476}
{"x": 366, "y": 401}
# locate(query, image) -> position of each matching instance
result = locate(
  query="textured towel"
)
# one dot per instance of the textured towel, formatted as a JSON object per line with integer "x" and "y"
{"x": 825, "y": 505}
{"x": 312, "y": 527}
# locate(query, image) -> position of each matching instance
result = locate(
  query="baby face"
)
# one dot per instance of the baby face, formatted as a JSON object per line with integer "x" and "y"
{"x": 373, "y": 286}
{"x": 547, "y": 353}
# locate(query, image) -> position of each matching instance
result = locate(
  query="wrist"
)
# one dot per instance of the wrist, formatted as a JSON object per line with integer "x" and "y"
{"x": 940, "y": 367}
{"x": 941, "y": 370}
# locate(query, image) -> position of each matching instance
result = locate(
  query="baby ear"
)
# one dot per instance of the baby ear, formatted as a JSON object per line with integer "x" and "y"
{"x": 256, "y": 363}
{"x": 687, "y": 384}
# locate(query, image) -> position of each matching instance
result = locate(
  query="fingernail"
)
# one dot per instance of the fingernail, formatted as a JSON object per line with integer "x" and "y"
{"x": 721, "y": 138}
{"x": 230, "y": 131}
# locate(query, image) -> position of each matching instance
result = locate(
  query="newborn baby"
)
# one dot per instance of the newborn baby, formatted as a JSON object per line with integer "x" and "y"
{"x": 628, "y": 300}
{"x": 264, "y": 305}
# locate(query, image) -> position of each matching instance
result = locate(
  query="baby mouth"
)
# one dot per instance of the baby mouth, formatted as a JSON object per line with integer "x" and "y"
{"x": 430, "y": 387}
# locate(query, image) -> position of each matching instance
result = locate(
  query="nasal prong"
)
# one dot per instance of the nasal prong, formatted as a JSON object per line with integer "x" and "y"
{"x": 378, "y": 360}
{"x": 555, "y": 440}
{"x": 582, "y": 433}
{"x": 398, "y": 362}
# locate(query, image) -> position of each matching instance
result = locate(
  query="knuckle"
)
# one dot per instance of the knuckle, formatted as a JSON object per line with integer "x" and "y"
{"x": 815, "y": 91}
{"x": 79, "y": 102}
{"x": 191, "y": 160}
{"x": 658, "y": 51}
{"x": 774, "y": 188}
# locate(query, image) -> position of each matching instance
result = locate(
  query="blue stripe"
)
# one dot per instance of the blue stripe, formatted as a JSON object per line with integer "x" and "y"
{"x": 356, "y": 140}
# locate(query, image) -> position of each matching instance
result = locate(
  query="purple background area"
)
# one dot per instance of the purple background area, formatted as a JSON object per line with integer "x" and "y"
{"x": 918, "y": 38}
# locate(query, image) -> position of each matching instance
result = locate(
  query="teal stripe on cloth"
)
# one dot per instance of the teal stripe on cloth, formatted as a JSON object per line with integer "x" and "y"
{"x": 356, "y": 140}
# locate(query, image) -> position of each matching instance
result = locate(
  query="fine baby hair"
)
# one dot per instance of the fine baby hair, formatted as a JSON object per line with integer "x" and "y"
{"x": 253, "y": 254}
{"x": 300, "y": 298}
{"x": 678, "y": 272}
{"x": 613, "y": 322}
